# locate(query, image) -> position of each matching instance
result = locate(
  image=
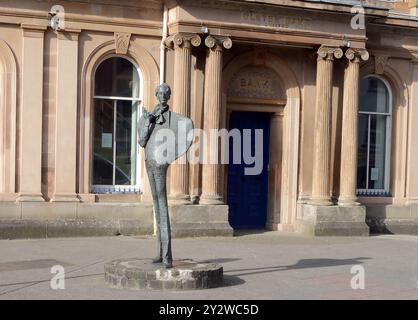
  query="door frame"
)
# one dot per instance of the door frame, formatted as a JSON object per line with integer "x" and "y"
{"x": 275, "y": 159}
{"x": 285, "y": 220}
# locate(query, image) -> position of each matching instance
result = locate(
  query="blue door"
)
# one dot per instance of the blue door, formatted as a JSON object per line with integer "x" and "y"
{"x": 247, "y": 194}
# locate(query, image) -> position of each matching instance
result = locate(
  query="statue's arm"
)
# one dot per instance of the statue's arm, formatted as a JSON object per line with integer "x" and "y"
{"x": 144, "y": 130}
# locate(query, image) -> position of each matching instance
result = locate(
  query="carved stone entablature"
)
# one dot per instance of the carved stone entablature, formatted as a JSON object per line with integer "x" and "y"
{"x": 380, "y": 62}
{"x": 329, "y": 53}
{"x": 122, "y": 42}
{"x": 183, "y": 40}
{"x": 355, "y": 55}
{"x": 218, "y": 42}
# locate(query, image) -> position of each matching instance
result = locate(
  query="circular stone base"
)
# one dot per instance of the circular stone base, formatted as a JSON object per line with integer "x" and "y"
{"x": 143, "y": 274}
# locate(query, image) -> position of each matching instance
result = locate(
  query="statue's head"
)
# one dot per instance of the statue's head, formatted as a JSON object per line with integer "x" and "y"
{"x": 163, "y": 93}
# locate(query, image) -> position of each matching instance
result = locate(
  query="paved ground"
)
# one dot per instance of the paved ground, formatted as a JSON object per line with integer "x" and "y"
{"x": 257, "y": 266}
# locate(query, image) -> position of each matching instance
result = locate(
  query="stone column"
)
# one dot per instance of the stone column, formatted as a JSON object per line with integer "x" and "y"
{"x": 211, "y": 172}
{"x": 348, "y": 173}
{"x": 179, "y": 170}
{"x": 275, "y": 173}
{"x": 66, "y": 118}
{"x": 30, "y": 125}
{"x": 412, "y": 181}
{"x": 198, "y": 75}
{"x": 322, "y": 139}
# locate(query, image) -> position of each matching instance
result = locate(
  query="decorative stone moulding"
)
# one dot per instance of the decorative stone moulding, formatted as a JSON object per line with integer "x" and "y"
{"x": 380, "y": 62}
{"x": 122, "y": 42}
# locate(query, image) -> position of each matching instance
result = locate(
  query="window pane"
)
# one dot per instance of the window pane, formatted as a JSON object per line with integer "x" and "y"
{"x": 362, "y": 151}
{"x": 126, "y": 143}
{"x": 374, "y": 95}
{"x": 103, "y": 142}
{"x": 377, "y": 152}
{"x": 117, "y": 77}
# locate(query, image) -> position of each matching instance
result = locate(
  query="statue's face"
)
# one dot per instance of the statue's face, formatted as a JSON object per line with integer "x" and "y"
{"x": 163, "y": 95}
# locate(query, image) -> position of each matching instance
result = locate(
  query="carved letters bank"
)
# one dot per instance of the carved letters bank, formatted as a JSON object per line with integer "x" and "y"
{"x": 335, "y": 92}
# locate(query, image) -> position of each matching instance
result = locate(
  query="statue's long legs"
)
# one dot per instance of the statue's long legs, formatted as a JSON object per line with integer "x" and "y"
{"x": 164, "y": 219}
{"x": 157, "y": 175}
{"x": 152, "y": 183}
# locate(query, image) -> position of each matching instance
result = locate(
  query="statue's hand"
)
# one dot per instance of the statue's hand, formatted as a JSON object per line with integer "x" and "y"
{"x": 156, "y": 108}
{"x": 146, "y": 115}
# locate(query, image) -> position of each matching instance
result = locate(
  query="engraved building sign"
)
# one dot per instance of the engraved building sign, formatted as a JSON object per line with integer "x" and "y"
{"x": 257, "y": 82}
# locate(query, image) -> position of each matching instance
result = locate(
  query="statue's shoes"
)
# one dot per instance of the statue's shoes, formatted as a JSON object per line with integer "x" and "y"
{"x": 168, "y": 265}
{"x": 157, "y": 260}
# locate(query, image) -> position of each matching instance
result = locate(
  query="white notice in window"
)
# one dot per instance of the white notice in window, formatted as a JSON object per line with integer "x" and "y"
{"x": 107, "y": 140}
{"x": 374, "y": 174}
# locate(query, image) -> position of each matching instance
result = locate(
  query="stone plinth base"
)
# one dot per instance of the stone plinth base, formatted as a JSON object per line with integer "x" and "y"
{"x": 143, "y": 274}
{"x": 393, "y": 219}
{"x": 77, "y": 219}
{"x": 199, "y": 221}
{"x": 73, "y": 219}
{"x": 333, "y": 221}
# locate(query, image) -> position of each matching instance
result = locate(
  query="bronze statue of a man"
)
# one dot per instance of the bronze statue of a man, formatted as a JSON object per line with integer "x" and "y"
{"x": 165, "y": 137}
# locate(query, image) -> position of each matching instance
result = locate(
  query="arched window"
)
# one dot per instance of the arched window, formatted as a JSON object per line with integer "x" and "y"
{"x": 375, "y": 122}
{"x": 117, "y": 93}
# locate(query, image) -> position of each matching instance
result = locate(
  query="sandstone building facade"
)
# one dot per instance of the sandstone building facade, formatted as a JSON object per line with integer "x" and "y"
{"x": 335, "y": 91}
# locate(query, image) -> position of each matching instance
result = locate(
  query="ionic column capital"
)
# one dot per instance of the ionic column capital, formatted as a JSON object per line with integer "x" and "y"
{"x": 218, "y": 42}
{"x": 329, "y": 53}
{"x": 356, "y": 55}
{"x": 180, "y": 40}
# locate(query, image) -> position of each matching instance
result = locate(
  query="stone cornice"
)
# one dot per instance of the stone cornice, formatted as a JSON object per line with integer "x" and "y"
{"x": 298, "y": 4}
{"x": 83, "y": 22}
{"x": 395, "y": 23}
{"x": 405, "y": 53}
{"x": 12, "y": 15}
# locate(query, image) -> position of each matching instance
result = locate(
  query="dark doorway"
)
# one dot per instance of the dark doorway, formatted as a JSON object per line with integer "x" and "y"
{"x": 247, "y": 194}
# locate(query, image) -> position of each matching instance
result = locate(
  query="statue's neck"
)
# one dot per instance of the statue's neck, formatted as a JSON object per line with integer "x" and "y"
{"x": 162, "y": 108}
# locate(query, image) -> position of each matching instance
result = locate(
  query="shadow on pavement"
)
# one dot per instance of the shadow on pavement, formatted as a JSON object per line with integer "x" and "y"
{"x": 301, "y": 264}
{"x": 221, "y": 260}
{"x": 230, "y": 281}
